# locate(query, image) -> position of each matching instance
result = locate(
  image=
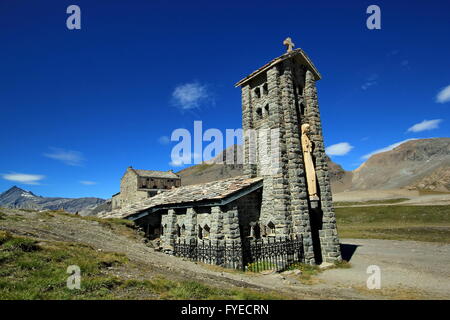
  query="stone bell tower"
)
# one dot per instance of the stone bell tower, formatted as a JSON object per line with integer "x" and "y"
{"x": 283, "y": 143}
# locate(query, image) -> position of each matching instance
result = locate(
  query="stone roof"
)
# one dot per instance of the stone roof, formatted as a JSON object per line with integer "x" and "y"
{"x": 297, "y": 53}
{"x": 191, "y": 194}
{"x": 156, "y": 174}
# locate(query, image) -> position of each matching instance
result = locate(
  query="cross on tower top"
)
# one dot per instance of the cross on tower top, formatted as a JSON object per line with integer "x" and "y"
{"x": 289, "y": 44}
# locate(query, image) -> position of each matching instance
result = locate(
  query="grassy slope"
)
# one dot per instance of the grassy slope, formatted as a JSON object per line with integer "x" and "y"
{"x": 371, "y": 202}
{"x": 37, "y": 270}
{"x": 421, "y": 223}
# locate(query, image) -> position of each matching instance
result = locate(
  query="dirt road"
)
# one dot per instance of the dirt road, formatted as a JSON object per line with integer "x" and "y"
{"x": 414, "y": 197}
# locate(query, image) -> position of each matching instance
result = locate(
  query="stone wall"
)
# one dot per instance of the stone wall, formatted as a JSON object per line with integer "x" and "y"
{"x": 158, "y": 183}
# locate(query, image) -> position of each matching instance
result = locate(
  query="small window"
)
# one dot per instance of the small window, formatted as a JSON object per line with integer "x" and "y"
{"x": 178, "y": 231}
{"x": 302, "y": 109}
{"x": 271, "y": 229}
{"x": 183, "y": 230}
{"x": 266, "y": 109}
{"x": 265, "y": 89}
{"x": 200, "y": 232}
{"x": 257, "y": 93}
{"x": 206, "y": 231}
{"x": 259, "y": 113}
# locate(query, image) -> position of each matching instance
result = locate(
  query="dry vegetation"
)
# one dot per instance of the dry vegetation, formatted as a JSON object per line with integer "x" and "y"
{"x": 32, "y": 269}
{"x": 399, "y": 222}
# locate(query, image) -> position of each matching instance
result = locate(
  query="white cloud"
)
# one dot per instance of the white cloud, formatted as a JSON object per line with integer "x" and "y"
{"x": 87, "y": 182}
{"x": 425, "y": 125}
{"x": 371, "y": 81}
{"x": 23, "y": 178}
{"x": 71, "y": 158}
{"x": 338, "y": 149}
{"x": 443, "y": 95}
{"x": 405, "y": 64}
{"x": 388, "y": 148}
{"x": 164, "y": 140}
{"x": 176, "y": 163}
{"x": 185, "y": 158}
{"x": 190, "y": 95}
{"x": 393, "y": 52}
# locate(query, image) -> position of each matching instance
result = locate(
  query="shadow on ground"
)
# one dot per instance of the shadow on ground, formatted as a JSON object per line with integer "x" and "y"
{"x": 347, "y": 250}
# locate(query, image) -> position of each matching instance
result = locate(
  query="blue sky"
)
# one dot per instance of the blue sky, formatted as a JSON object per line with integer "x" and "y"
{"x": 79, "y": 106}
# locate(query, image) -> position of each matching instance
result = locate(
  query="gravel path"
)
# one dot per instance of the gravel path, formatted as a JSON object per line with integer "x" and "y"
{"x": 419, "y": 267}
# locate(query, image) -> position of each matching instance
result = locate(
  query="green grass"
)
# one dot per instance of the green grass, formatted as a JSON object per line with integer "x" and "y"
{"x": 261, "y": 266}
{"x": 308, "y": 272}
{"x": 420, "y": 223}
{"x": 356, "y": 203}
{"x": 31, "y": 270}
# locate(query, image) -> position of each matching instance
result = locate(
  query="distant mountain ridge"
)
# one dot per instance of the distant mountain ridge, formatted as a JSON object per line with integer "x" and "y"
{"x": 16, "y": 197}
{"x": 422, "y": 164}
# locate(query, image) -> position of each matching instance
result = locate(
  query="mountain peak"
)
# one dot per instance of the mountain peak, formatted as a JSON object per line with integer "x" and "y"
{"x": 13, "y": 189}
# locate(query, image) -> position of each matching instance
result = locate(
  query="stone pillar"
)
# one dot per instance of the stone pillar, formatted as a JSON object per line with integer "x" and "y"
{"x": 275, "y": 197}
{"x": 299, "y": 211}
{"x": 170, "y": 231}
{"x": 216, "y": 232}
{"x": 247, "y": 124}
{"x": 328, "y": 234}
{"x": 232, "y": 237}
{"x": 191, "y": 225}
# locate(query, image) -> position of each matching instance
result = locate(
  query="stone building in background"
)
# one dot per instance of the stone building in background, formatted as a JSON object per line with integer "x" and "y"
{"x": 270, "y": 209}
{"x": 137, "y": 185}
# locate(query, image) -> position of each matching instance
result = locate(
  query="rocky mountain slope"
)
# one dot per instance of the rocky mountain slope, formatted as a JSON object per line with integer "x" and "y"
{"x": 18, "y": 198}
{"x": 216, "y": 169}
{"x": 419, "y": 164}
{"x": 422, "y": 164}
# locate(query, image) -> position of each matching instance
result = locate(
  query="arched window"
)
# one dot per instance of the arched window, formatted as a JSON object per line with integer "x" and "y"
{"x": 302, "y": 109}
{"x": 183, "y": 230}
{"x": 257, "y": 93}
{"x": 200, "y": 232}
{"x": 266, "y": 109}
{"x": 265, "y": 89}
{"x": 258, "y": 113}
{"x": 178, "y": 229}
{"x": 271, "y": 229}
{"x": 206, "y": 231}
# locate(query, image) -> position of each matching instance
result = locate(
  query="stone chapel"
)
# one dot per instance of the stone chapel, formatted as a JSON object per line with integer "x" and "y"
{"x": 263, "y": 206}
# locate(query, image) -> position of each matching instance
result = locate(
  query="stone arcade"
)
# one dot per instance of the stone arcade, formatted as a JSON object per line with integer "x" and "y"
{"x": 293, "y": 202}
